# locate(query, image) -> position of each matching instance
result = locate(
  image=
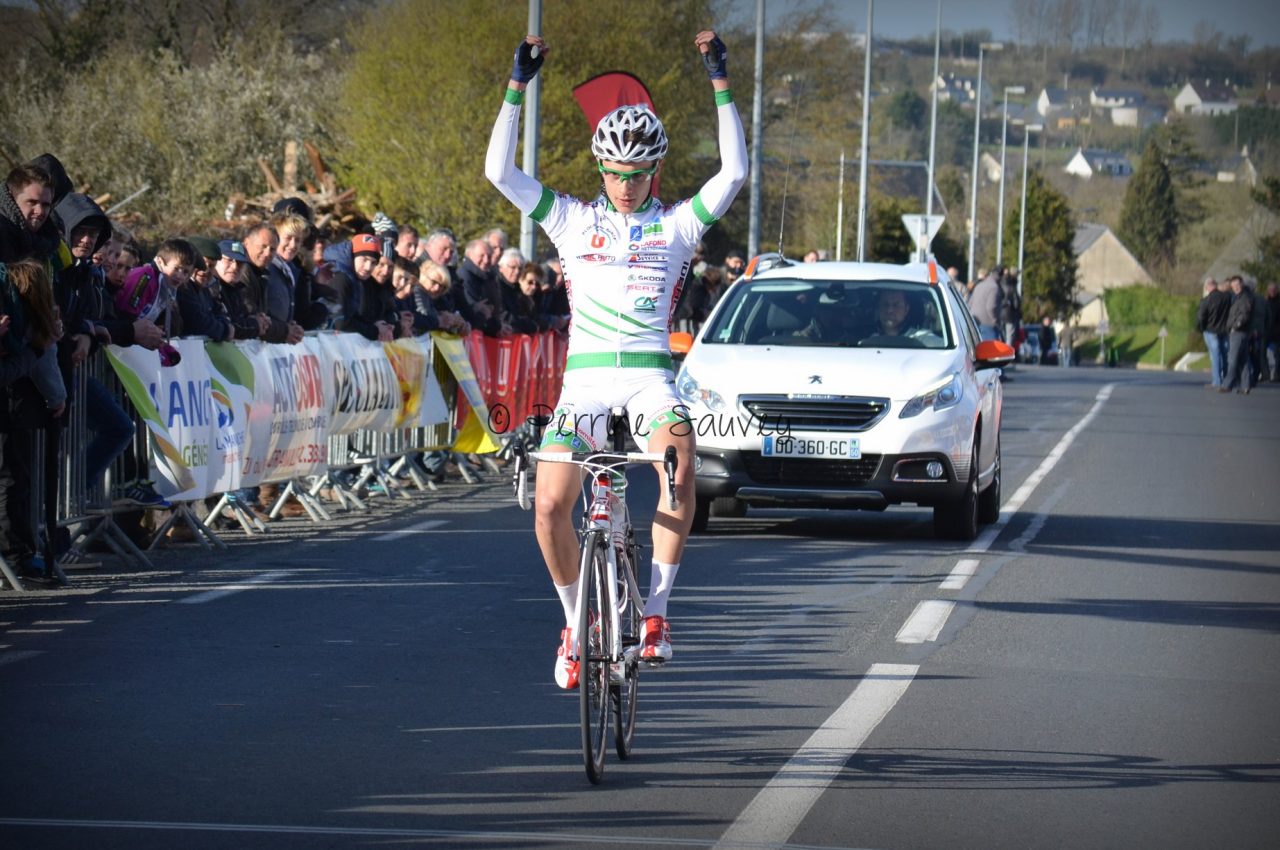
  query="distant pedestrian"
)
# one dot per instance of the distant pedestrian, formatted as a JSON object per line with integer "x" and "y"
{"x": 1273, "y": 332}
{"x": 1211, "y": 321}
{"x": 985, "y": 303}
{"x": 1047, "y": 339}
{"x": 1258, "y": 326}
{"x": 1239, "y": 320}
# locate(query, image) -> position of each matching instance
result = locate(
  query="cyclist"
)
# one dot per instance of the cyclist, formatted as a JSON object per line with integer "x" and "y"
{"x": 625, "y": 255}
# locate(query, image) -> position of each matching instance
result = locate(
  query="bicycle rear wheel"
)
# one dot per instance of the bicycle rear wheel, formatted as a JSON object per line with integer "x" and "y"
{"x": 627, "y": 679}
{"x": 593, "y": 651}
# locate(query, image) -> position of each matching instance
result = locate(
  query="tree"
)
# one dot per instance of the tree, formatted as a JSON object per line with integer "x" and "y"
{"x": 426, "y": 79}
{"x": 1266, "y": 268}
{"x": 1049, "y": 261}
{"x": 1149, "y": 214}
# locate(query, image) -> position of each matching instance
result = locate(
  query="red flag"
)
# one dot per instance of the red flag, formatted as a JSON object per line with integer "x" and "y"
{"x": 608, "y": 91}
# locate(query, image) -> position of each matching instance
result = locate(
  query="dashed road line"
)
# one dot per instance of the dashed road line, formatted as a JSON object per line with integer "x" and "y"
{"x": 926, "y": 621}
{"x": 420, "y": 528}
{"x": 775, "y": 812}
{"x": 227, "y": 590}
{"x": 960, "y": 574}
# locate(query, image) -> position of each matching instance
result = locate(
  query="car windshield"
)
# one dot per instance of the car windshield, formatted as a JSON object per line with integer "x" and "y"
{"x": 842, "y": 313}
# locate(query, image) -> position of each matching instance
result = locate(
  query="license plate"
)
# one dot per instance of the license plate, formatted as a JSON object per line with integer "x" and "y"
{"x": 824, "y": 446}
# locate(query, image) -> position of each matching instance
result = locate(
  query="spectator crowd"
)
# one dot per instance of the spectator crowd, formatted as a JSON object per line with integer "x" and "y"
{"x": 73, "y": 281}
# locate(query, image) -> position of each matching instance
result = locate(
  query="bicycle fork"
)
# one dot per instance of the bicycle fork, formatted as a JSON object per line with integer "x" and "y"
{"x": 601, "y": 517}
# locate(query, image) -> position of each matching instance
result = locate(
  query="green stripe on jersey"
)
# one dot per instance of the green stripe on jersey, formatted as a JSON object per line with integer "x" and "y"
{"x": 517, "y": 97}
{"x": 613, "y": 329}
{"x": 723, "y": 97}
{"x": 544, "y": 205}
{"x": 700, "y": 210}
{"x": 622, "y": 316}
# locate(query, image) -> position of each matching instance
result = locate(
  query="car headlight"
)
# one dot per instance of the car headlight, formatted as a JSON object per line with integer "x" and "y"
{"x": 689, "y": 389}
{"x": 938, "y": 397}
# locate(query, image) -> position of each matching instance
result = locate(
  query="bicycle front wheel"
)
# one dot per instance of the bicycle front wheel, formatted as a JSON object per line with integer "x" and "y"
{"x": 626, "y": 680}
{"x": 593, "y": 650}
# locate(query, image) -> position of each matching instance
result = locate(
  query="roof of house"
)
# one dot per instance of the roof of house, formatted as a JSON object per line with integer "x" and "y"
{"x": 1211, "y": 93}
{"x": 1086, "y": 234}
{"x": 1061, "y": 97}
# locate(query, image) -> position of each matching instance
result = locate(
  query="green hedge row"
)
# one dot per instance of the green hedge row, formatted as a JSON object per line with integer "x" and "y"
{"x": 1130, "y": 306}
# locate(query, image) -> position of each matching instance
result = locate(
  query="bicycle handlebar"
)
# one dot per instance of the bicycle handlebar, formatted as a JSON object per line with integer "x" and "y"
{"x": 669, "y": 459}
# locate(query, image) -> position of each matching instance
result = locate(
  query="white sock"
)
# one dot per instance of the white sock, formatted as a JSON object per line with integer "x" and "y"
{"x": 569, "y": 600}
{"x": 661, "y": 579}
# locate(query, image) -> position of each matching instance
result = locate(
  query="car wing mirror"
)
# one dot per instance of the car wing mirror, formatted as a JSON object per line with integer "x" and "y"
{"x": 993, "y": 352}
{"x": 681, "y": 342}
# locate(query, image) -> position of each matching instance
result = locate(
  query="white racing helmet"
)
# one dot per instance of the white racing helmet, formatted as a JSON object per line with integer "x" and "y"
{"x": 629, "y": 134}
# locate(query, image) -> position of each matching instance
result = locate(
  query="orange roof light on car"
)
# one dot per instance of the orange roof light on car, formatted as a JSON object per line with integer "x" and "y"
{"x": 933, "y": 273}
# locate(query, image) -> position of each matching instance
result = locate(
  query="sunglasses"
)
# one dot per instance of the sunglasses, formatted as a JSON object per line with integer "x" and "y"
{"x": 641, "y": 175}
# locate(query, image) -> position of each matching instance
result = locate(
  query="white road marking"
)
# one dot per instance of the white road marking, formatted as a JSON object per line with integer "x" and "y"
{"x": 926, "y": 621}
{"x": 1015, "y": 502}
{"x": 960, "y": 574}
{"x": 227, "y": 590}
{"x": 779, "y": 807}
{"x": 413, "y": 529}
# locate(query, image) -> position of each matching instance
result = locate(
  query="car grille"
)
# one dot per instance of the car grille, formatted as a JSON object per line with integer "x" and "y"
{"x": 810, "y": 472}
{"x": 827, "y": 413}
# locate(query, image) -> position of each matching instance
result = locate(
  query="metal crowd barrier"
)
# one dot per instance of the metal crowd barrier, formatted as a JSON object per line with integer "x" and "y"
{"x": 80, "y": 513}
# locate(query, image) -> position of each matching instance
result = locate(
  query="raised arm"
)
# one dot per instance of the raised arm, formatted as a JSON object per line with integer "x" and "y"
{"x": 500, "y": 161}
{"x": 718, "y": 193}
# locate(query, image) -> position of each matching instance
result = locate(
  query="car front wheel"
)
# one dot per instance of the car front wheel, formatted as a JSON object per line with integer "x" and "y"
{"x": 958, "y": 519}
{"x": 989, "y": 500}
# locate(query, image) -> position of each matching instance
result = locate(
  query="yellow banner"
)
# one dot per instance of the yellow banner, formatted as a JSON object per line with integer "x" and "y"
{"x": 475, "y": 436}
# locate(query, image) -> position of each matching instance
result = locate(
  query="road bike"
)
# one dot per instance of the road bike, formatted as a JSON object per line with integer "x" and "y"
{"x": 610, "y": 604}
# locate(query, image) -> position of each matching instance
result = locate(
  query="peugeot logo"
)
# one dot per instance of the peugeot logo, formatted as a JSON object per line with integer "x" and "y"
{"x": 815, "y": 379}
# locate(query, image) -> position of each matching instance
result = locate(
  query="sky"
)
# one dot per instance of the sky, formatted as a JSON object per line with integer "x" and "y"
{"x": 907, "y": 18}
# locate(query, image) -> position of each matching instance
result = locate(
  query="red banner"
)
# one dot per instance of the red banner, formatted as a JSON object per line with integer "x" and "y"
{"x": 519, "y": 375}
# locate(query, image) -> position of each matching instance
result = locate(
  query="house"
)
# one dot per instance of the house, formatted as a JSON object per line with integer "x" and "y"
{"x": 1053, "y": 102}
{"x": 960, "y": 89}
{"x": 1087, "y": 163}
{"x": 1239, "y": 169}
{"x": 1102, "y": 262}
{"x": 1113, "y": 98}
{"x": 1205, "y": 99}
{"x": 1139, "y": 116}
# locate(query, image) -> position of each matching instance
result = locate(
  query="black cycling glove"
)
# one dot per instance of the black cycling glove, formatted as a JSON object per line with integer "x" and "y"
{"x": 527, "y": 62}
{"x": 714, "y": 59}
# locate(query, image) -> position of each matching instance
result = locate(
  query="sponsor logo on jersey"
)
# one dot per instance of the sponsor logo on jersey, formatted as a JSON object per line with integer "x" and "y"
{"x": 600, "y": 236}
{"x": 596, "y": 258}
{"x": 655, "y": 278}
{"x": 653, "y": 243}
{"x": 652, "y": 229}
{"x": 649, "y": 288}
{"x": 647, "y": 258}
{"x": 637, "y": 233}
{"x": 646, "y": 304}
{"x": 633, "y": 246}
{"x": 647, "y": 268}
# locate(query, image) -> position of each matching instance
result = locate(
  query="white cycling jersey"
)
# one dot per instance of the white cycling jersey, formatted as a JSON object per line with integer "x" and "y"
{"x": 623, "y": 271}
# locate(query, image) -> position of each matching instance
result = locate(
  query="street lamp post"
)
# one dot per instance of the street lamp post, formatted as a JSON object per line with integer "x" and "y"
{"x": 1022, "y": 217}
{"x": 977, "y": 122}
{"x": 1004, "y": 138}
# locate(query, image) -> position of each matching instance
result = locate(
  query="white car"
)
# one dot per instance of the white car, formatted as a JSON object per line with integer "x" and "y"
{"x": 846, "y": 385}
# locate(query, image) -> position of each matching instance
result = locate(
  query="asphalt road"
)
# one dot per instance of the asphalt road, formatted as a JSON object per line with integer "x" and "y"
{"x": 1098, "y": 670}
